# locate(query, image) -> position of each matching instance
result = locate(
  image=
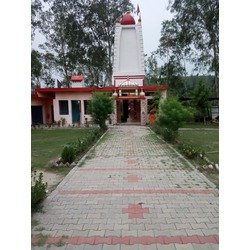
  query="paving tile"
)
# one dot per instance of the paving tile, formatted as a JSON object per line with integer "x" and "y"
{"x": 166, "y": 247}
{"x": 184, "y": 246}
{"x": 74, "y": 247}
{"x": 90, "y": 200}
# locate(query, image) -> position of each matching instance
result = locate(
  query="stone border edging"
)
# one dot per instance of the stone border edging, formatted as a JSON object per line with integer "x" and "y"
{"x": 73, "y": 170}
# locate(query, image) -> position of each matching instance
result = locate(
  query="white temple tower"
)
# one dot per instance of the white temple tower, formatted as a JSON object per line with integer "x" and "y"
{"x": 128, "y": 66}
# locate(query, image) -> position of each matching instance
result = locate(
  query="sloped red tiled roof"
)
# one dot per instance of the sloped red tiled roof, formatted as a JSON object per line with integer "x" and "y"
{"x": 77, "y": 78}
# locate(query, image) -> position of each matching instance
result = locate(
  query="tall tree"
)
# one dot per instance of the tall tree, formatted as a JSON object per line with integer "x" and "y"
{"x": 80, "y": 35}
{"x": 36, "y": 7}
{"x": 193, "y": 33}
{"x": 36, "y": 68}
{"x": 200, "y": 100}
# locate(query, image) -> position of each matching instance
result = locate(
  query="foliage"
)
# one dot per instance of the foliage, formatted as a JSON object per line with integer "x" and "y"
{"x": 200, "y": 100}
{"x": 189, "y": 151}
{"x": 153, "y": 71}
{"x": 172, "y": 115}
{"x": 172, "y": 72}
{"x": 38, "y": 190}
{"x": 36, "y": 68}
{"x": 36, "y": 7}
{"x": 101, "y": 105}
{"x": 80, "y": 35}
{"x": 193, "y": 34}
{"x": 68, "y": 154}
{"x": 154, "y": 102}
{"x": 71, "y": 150}
{"x": 192, "y": 81}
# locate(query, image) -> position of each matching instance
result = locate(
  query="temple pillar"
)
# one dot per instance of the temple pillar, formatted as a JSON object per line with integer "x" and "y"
{"x": 144, "y": 111}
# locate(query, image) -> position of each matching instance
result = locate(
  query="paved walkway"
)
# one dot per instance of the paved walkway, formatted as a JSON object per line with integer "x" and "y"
{"x": 131, "y": 192}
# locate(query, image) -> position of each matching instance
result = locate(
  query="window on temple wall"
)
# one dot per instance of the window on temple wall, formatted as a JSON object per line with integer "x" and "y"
{"x": 86, "y": 107}
{"x": 63, "y": 107}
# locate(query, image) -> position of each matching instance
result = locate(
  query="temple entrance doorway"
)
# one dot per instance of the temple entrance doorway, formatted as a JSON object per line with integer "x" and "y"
{"x": 128, "y": 111}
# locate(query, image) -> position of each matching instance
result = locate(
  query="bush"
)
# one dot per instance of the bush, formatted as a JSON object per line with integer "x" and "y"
{"x": 101, "y": 105}
{"x": 38, "y": 191}
{"x": 172, "y": 115}
{"x": 189, "y": 151}
{"x": 68, "y": 154}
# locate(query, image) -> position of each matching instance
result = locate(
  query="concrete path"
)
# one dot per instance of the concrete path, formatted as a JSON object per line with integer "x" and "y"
{"x": 131, "y": 192}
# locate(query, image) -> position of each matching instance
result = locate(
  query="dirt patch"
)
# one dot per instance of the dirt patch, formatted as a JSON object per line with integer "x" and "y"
{"x": 53, "y": 179}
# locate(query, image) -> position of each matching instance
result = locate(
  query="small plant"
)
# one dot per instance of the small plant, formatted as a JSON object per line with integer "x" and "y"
{"x": 189, "y": 151}
{"x": 38, "y": 191}
{"x": 68, "y": 154}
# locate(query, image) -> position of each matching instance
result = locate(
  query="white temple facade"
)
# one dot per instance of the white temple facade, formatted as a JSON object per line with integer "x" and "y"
{"x": 128, "y": 52}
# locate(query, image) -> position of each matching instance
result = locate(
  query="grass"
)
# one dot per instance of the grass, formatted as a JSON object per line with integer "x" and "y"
{"x": 47, "y": 144}
{"x": 206, "y": 140}
{"x": 201, "y": 125}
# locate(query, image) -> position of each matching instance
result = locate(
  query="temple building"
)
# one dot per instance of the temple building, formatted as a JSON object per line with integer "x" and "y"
{"x": 128, "y": 89}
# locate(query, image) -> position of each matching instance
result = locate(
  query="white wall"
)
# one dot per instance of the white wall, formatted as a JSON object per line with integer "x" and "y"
{"x": 70, "y": 96}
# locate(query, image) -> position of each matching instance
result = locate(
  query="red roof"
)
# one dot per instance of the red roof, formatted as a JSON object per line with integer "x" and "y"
{"x": 76, "y": 78}
{"x": 127, "y": 19}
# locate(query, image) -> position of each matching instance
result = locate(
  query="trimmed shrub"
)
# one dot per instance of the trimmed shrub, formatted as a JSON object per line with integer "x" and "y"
{"x": 68, "y": 154}
{"x": 101, "y": 105}
{"x": 38, "y": 191}
{"x": 172, "y": 115}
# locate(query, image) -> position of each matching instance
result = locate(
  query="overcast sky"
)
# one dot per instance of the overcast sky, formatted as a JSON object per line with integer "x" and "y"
{"x": 152, "y": 14}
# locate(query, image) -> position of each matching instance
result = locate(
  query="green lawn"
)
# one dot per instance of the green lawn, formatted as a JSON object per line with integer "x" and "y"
{"x": 47, "y": 144}
{"x": 204, "y": 138}
{"x": 201, "y": 125}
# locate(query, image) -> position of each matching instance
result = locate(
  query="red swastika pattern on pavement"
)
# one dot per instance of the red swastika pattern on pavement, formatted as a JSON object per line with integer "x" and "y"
{"x": 132, "y": 178}
{"x": 132, "y": 161}
{"x": 135, "y": 211}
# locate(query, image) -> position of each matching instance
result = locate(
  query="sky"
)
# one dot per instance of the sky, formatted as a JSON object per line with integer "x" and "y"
{"x": 153, "y": 12}
{"x": 152, "y": 15}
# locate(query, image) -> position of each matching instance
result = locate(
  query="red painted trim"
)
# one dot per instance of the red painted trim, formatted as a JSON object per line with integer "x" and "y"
{"x": 137, "y": 191}
{"x": 76, "y": 78}
{"x": 155, "y": 87}
{"x": 129, "y": 240}
{"x": 85, "y": 89}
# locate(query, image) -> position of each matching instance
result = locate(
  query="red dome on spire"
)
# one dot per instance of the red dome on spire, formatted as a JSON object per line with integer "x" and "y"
{"x": 127, "y": 19}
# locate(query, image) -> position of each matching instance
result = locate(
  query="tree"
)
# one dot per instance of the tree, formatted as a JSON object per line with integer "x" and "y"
{"x": 36, "y": 7}
{"x": 153, "y": 71}
{"x": 101, "y": 105}
{"x": 193, "y": 34}
{"x": 200, "y": 100}
{"x": 80, "y": 35}
{"x": 36, "y": 68}
{"x": 172, "y": 72}
{"x": 172, "y": 115}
